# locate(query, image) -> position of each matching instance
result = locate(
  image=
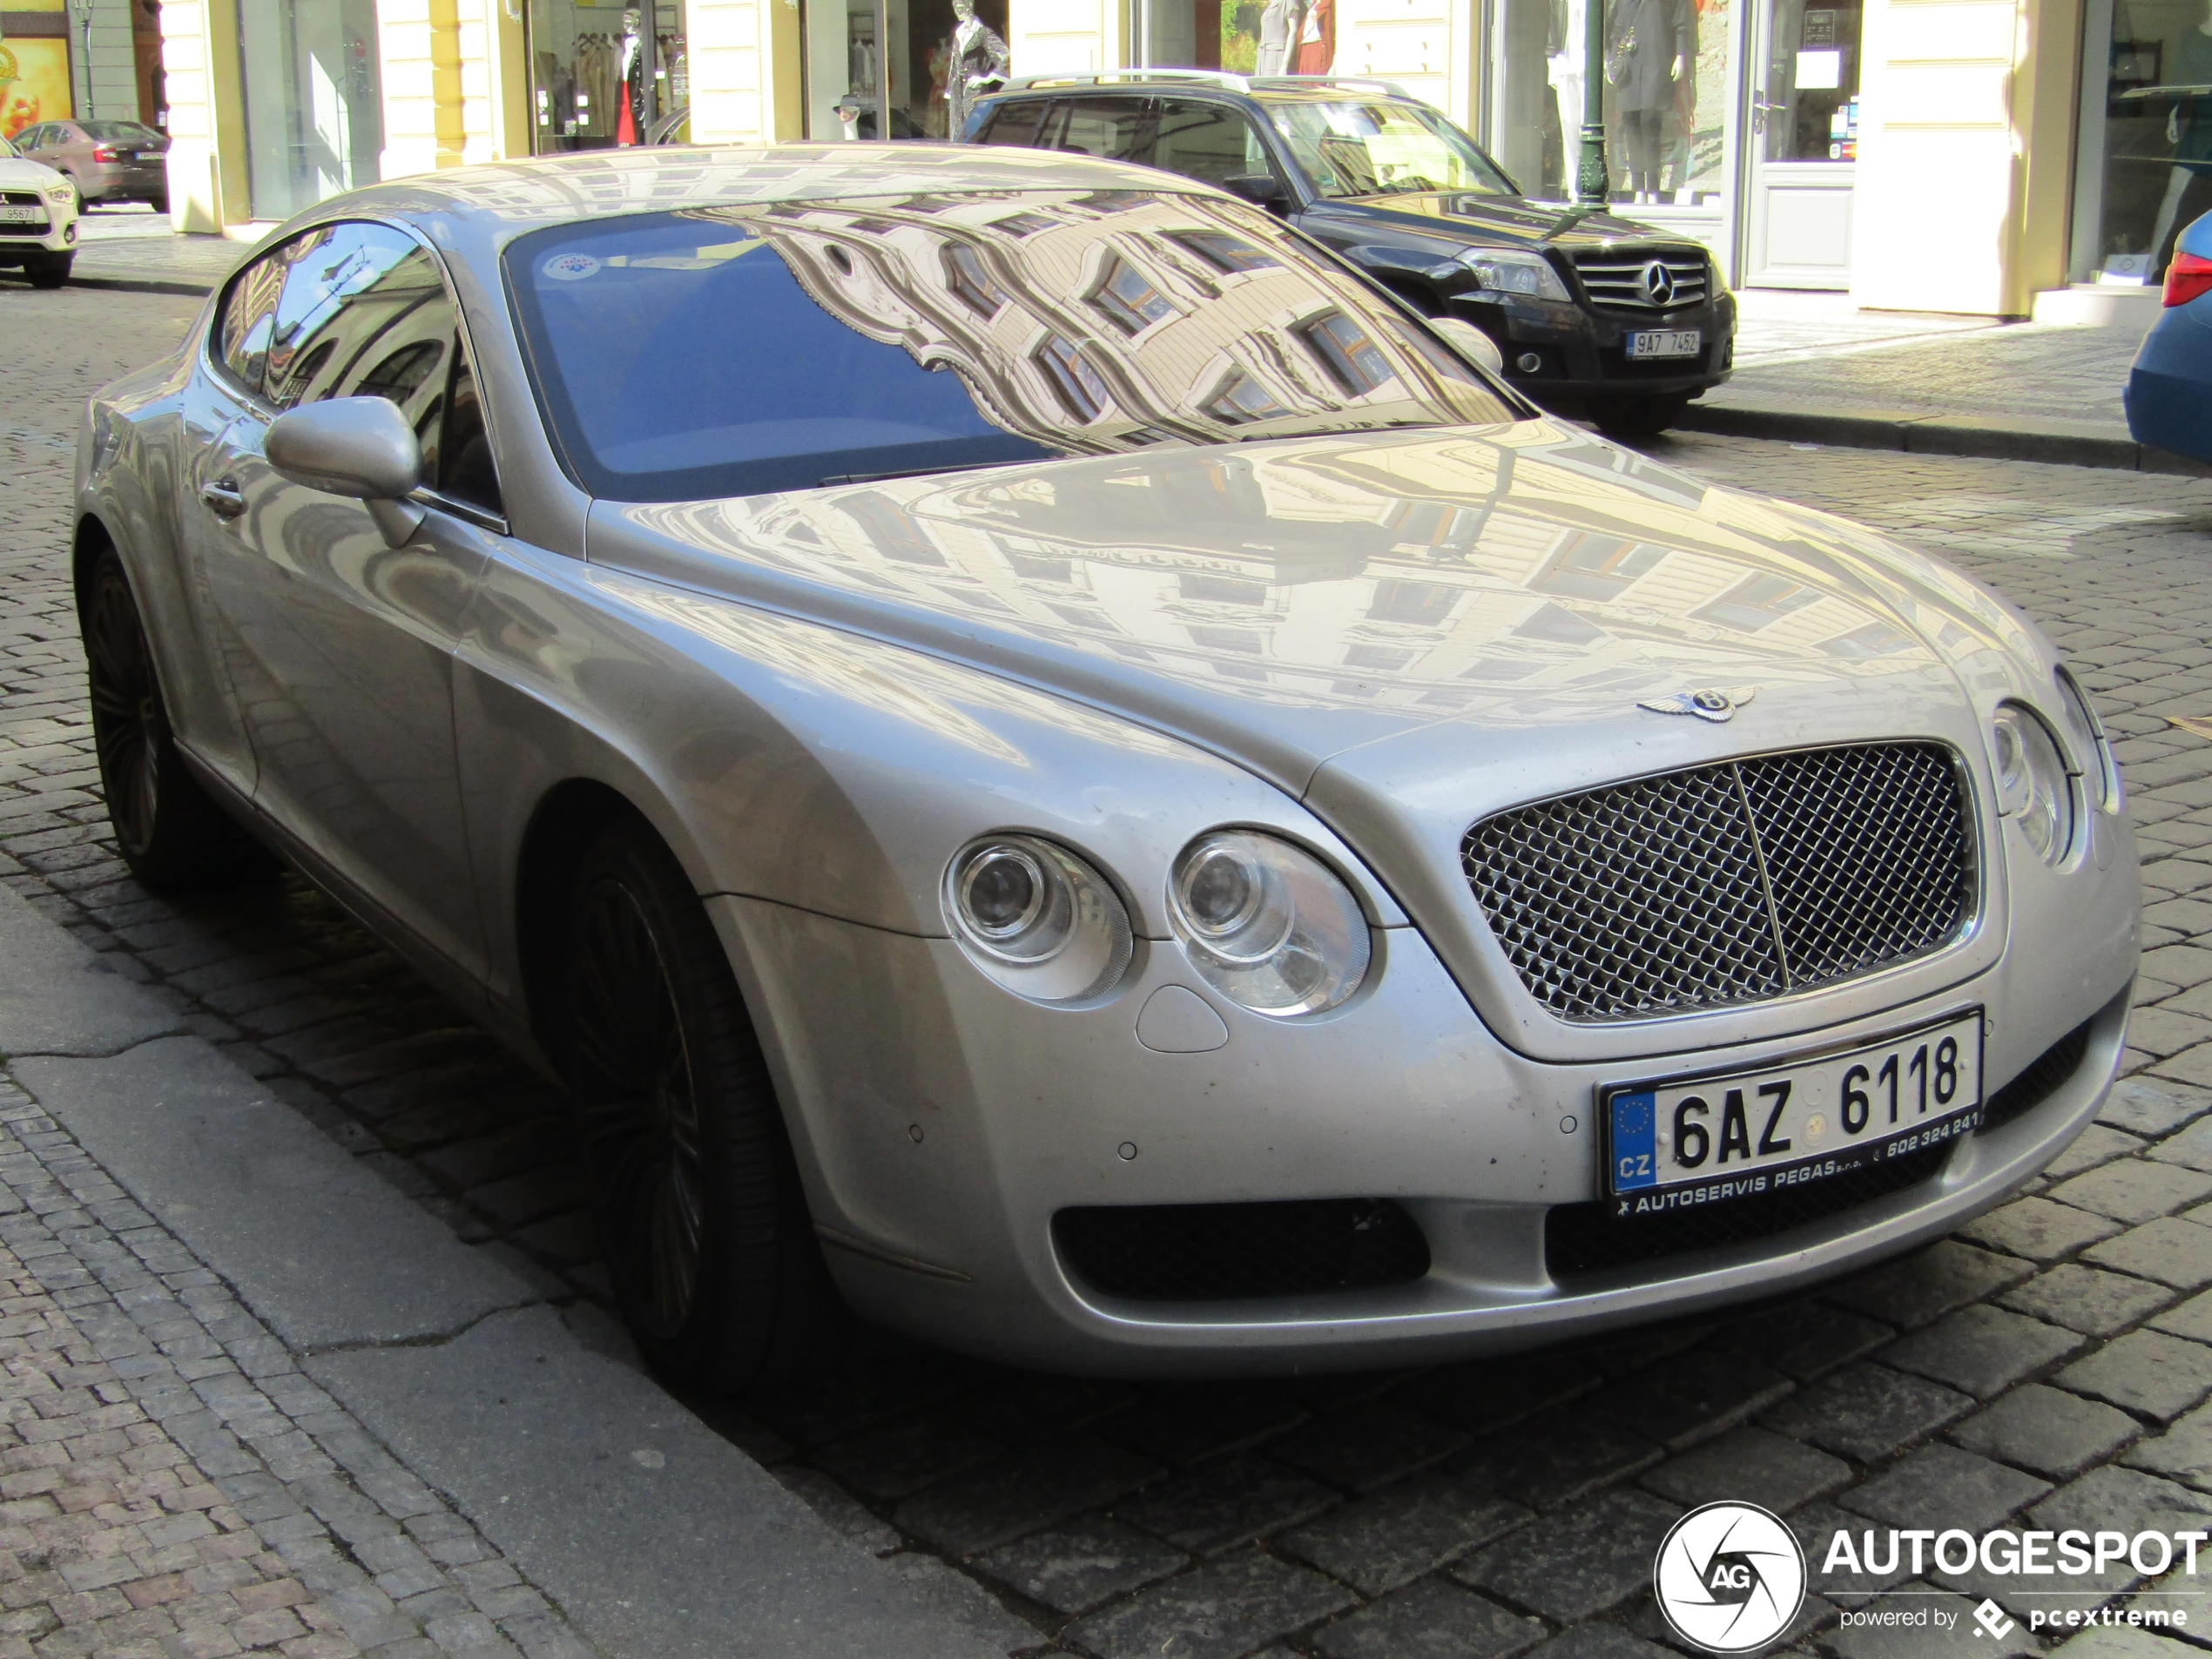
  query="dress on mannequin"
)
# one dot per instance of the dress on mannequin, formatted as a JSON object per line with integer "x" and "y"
{"x": 1280, "y": 23}
{"x": 1564, "y": 68}
{"x": 1642, "y": 36}
{"x": 980, "y": 61}
{"x": 629, "y": 122}
{"x": 2189, "y": 129}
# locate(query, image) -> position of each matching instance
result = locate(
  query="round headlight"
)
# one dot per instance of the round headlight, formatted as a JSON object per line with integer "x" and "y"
{"x": 1267, "y": 924}
{"x": 2099, "y": 772}
{"x": 1037, "y": 918}
{"x": 2032, "y": 781}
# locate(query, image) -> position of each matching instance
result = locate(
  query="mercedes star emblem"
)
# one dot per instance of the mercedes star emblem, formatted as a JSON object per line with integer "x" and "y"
{"x": 1658, "y": 283}
{"x": 1711, "y": 704}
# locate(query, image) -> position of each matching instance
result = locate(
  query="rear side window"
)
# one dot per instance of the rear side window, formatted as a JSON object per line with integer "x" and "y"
{"x": 1209, "y": 142}
{"x": 241, "y": 344}
{"x": 1113, "y": 129}
{"x": 1015, "y": 124}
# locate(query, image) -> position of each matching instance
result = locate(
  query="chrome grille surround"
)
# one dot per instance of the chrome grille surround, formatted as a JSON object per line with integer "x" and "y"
{"x": 1730, "y": 883}
{"x": 1614, "y": 277}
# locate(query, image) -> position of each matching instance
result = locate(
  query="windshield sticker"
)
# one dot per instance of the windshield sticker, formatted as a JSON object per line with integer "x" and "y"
{"x": 571, "y": 267}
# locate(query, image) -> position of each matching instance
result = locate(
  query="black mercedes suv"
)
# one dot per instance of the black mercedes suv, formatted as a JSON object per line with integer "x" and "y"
{"x": 1594, "y": 315}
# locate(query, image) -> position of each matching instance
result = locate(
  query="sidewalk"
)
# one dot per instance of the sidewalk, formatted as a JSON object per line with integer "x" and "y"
{"x": 1811, "y": 367}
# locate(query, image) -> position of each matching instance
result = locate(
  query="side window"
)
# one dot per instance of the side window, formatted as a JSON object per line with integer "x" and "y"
{"x": 1207, "y": 142}
{"x": 355, "y": 296}
{"x": 1015, "y": 124}
{"x": 241, "y": 344}
{"x": 464, "y": 468}
{"x": 1113, "y": 129}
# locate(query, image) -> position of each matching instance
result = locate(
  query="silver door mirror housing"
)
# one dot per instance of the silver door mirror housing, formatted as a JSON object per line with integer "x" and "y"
{"x": 360, "y": 447}
{"x": 1471, "y": 341}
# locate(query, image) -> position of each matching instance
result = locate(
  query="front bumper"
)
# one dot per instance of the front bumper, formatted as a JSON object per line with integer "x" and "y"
{"x": 1580, "y": 355}
{"x": 19, "y": 243}
{"x": 941, "y": 1124}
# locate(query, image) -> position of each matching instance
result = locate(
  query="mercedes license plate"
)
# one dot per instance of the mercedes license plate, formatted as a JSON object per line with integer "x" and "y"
{"x": 1721, "y": 1137}
{"x": 23, "y": 216}
{"x": 1664, "y": 342}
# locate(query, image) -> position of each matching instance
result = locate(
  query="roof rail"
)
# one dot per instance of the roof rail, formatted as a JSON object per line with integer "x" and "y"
{"x": 1365, "y": 83}
{"x": 1235, "y": 83}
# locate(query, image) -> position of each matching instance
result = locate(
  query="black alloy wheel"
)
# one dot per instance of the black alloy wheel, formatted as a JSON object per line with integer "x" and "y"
{"x": 708, "y": 1239}
{"x": 171, "y": 832}
{"x": 48, "y": 270}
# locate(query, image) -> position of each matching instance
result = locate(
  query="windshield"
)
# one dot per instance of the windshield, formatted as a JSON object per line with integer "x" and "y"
{"x": 118, "y": 131}
{"x": 1381, "y": 149}
{"x": 734, "y": 351}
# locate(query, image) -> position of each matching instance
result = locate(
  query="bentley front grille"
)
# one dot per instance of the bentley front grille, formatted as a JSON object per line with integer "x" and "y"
{"x": 1628, "y": 279}
{"x": 1730, "y": 883}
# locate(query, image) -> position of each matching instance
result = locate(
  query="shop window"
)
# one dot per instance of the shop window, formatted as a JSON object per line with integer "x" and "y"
{"x": 1342, "y": 347}
{"x": 1244, "y": 36}
{"x": 313, "y": 107}
{"x": 900, "y": 69}
{"x": 1128, "y": 298}
{"x": 2146, "y": 139}
{"x": 600, "y": 78}
{"x": 1073, "y": 379}
{"x": 1668, "y": 103}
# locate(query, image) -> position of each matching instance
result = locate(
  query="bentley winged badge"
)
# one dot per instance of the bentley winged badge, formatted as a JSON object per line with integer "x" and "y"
{"x": 1712, "y": 704}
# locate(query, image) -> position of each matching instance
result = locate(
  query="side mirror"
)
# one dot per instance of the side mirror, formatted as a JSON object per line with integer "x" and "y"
{"x": 360, "y": 447}
{"x": 1260, "y": 189}
{"x": 1471, "y": 341}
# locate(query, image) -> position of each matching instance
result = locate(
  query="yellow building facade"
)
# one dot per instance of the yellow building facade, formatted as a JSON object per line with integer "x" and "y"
{"x": 1941, "y": 155}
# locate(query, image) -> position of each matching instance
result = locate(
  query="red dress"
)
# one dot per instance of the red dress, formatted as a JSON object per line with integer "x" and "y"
{"x": 1317, "y": 46}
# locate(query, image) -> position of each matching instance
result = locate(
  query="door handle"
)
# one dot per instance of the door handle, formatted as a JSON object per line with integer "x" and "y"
{"x": 223, "y": 497}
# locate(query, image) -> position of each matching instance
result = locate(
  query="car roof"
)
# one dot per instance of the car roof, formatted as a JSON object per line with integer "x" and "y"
{"x": 604, "y": 184}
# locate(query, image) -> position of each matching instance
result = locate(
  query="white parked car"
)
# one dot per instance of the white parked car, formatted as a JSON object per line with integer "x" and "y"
{"x": 37, "y": 219}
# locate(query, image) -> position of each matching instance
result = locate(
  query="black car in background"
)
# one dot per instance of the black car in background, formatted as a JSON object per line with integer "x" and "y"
{"x": 1594, "y": 315}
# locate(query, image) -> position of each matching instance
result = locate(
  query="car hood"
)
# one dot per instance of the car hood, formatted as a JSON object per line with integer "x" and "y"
{"x": 1468, "y": 593}
{"x": 1503, "y": 220}
{"x": 21, "y": 172}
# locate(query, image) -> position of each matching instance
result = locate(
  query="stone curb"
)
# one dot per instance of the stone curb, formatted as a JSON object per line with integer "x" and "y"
{"x": 144, "y": 285}
{"x": 2068, "y": 443}
{"x": 664, "y": 1540}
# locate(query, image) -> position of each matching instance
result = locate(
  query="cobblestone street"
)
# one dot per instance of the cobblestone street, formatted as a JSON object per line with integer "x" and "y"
{"x": 2047, "y": 1367}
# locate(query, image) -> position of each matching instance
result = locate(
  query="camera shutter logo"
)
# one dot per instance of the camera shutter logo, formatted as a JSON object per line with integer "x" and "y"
{"x": 1729, "y": 1577}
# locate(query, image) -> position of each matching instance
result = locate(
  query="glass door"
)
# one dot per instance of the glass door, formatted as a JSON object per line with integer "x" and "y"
{"x": 1803, "y": 98}
{"x": 927, "y": 62}
{"x": 599, "y": 76}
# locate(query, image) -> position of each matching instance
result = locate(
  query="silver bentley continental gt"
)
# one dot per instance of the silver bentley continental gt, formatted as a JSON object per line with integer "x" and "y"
{"x": 1055, "y": 771}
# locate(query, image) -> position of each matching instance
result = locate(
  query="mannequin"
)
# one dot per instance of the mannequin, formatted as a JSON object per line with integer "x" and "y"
{"x": 1317, "y": 40}
{"x": 629, "y": 85}
{"x": 2189, "y": 129}
{"x": 1644, "y": 42}
{"x": 980, "y": 61}
{"x": 1564, "y": 68}
{"x": 1280, "y": 25}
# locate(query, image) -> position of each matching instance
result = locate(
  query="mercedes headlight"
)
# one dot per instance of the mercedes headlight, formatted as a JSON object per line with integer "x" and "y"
{"x": 1512, "y": 271}
{"x": 1037, "y": 918}
{"x": 1267, "y": 924}
{"x": 2033, "y": 785}
{"x": 2100, "y": 768}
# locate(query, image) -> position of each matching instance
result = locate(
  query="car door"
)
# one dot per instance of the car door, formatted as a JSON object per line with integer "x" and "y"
{"x": 345, "y": 644}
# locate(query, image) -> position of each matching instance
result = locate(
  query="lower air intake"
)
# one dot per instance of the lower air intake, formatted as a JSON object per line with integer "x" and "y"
{"x": 1223, "y": 1252}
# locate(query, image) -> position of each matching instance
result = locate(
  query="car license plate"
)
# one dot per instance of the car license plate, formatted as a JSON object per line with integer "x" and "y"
{"x": 1664, "y": 342}
{"x": 23, "y": 216}
{"x": 1722, "y": 1136}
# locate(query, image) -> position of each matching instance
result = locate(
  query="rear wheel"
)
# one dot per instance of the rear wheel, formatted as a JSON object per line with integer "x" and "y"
{"x": 708, "y": 1239}
{"x": 170, "y": 832}
{"x": 48, "y": 270}
{"x": 159, "y": 201}
{"x": 1637, "y": 417}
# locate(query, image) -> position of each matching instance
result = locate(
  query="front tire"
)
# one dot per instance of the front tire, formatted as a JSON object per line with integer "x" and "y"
{"x": 48, "y": 270}
{"x": 170, "y": 832}
{"x": 708, "y": 1239}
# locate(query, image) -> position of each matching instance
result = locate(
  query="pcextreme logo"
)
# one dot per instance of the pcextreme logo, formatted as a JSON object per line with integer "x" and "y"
{"x": 1729, "y": 1577}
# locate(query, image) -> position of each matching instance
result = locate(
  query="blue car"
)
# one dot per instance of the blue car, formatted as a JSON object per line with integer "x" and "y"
{"x": 2169, "y": 389}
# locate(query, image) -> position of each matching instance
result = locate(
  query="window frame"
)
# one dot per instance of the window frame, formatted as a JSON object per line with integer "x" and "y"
{"x": 256, "y": 402}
